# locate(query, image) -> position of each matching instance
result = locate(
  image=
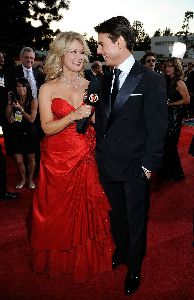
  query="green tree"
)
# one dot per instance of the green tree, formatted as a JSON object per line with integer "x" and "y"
{"x": 167, "y": 32}
{"x": 143, "y": 41}
{"x": 92, "y": 44}
{"x": 185, "y": 26}
{"x": 17, "y": 28}
{"x": 184, "y": 33}
{"x": 157, "y": 33}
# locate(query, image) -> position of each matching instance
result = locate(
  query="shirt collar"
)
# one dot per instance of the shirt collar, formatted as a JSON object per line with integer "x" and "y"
{"x": 25, "y": 69}
{"x": 127, "y": 64}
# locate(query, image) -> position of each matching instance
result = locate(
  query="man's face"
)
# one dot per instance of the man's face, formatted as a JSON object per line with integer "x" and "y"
{"x": 27, "y": 59}
{"x": 109, "y": 50}
{"x": 150, "y": 62}
{"x": 1, "y": 59}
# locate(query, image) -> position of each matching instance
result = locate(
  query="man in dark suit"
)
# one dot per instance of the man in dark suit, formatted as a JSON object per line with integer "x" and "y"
{"x": 26, "y": 69}
{"x": 5, "y": 84}
{"x": 130, "y": 137}
{"x": 33, "y": 75}
{"x": 95, "y": 72}
{"x": 189, "y": 81}
{"x": 4, "y": 193}
{"x": 36, "y": 79}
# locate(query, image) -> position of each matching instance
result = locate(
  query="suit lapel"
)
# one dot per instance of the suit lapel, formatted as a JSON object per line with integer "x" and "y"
{"x": 106, "y": 93}
{"x": 20, "y": 72}
{"x": 129, "y": 85}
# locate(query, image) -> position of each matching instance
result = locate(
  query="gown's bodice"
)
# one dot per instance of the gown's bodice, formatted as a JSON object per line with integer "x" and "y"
{"x": 68, "y": 143}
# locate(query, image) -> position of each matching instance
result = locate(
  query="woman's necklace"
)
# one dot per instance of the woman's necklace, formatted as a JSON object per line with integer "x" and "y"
{"x": 75, "y": 83}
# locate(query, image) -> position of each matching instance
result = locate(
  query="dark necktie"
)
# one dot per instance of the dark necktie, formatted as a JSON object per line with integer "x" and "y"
{"x": 115, "y": 88}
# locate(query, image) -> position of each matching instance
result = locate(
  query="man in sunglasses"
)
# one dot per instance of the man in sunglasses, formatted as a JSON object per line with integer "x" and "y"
{"x": 149, "y": 60}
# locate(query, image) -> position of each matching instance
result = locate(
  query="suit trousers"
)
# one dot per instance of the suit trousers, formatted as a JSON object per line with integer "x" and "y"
{"x": 130, "y": 202}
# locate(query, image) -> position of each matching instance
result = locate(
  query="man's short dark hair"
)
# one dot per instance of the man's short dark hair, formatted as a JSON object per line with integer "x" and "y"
{"x": 116, "y": 27}
{"x": 149, "y": 53}
{"x": 95, "y": 64}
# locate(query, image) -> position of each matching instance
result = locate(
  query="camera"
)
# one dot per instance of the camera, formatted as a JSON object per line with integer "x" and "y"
{"x": 13, "y": 97}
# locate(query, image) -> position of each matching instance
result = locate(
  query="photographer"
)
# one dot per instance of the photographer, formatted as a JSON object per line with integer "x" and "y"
{"x": 21, "y": 113}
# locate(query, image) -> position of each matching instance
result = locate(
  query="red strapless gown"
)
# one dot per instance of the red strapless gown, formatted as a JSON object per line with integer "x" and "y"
{"x": 70, "y": 222}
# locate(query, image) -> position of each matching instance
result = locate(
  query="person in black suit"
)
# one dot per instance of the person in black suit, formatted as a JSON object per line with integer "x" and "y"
{"x": 29, "y": 71}
{"x": 189, "y": 81}
{"x": 32, "y": 74}
{"x": 95, "y": 72}
{"x": 5, "y": 83}
{"x": 130, "y": 131}
{"x": 4, "y": 193}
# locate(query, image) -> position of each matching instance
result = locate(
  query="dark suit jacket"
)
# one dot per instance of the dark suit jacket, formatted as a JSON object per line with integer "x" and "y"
{"x": 39, "y": 78}
{"x": 4, "y": 93}
{"x": 89, "y": 75}
{"x": 133, "y": 134}
{"x": 190, "y": 82}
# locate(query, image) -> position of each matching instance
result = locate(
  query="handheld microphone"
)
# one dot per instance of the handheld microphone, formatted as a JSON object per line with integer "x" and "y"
{"x": 90, "y": 98}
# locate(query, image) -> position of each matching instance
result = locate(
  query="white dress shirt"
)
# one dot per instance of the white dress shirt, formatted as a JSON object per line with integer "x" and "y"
{"x": 125, "y": 68}
{"x": 28, "y": 74}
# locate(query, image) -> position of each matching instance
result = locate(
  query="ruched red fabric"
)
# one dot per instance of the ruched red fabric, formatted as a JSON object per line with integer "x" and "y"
{"x": 70, "y": 220}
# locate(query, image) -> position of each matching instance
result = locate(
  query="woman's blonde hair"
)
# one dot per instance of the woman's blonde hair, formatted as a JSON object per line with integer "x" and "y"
{"x": 58, "y": 48}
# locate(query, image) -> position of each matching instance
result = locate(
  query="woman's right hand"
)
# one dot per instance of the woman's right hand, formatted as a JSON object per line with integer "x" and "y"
{"x": 83, "y": 111}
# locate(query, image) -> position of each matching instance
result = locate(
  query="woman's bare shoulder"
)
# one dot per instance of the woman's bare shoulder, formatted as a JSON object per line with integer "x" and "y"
{"x": 49, "y": 84}
{"x": 181, "y": 83}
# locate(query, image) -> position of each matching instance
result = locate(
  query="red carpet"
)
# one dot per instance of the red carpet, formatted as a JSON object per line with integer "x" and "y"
{"x": 168, "y": 267}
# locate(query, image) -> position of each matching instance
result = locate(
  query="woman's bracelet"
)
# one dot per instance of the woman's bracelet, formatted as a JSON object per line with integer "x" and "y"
{"x": 22, "y": 110}
{"x": 71, "y": 120}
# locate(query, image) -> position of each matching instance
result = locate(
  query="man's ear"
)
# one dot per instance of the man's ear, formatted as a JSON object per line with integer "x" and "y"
{"x": 121, "y": 42}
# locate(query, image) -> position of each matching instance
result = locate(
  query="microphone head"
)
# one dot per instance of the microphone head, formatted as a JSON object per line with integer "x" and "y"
{"x": 93, "y": 91}
{"x": 90, "y": 97}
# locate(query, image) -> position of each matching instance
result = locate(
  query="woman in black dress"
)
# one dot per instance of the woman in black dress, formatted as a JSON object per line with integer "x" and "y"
{"x": 178, "y": 96}
{"x": 21, "y": 113}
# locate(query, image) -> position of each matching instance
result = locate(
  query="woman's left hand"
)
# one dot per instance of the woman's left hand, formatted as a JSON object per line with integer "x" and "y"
{"x": 16, "y": 105}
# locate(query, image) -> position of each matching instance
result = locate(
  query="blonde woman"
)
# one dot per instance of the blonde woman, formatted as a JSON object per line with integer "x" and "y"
{"x": 70, "y": 226}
